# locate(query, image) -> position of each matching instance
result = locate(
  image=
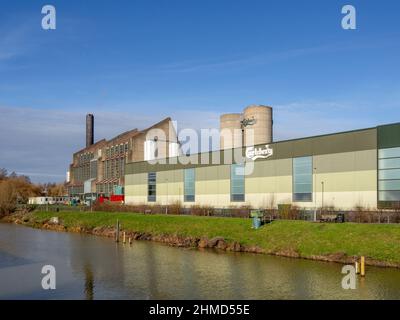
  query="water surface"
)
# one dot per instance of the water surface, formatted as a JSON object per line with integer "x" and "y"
{"x": 90, "y": 267}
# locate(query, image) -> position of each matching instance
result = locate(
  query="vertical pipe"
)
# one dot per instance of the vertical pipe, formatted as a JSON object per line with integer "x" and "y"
{"x": 363, "y": 266}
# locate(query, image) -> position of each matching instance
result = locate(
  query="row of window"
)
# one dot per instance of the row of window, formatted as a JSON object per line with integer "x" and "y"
{"x": 85, "y": 157}
{"x": 189, "y": 184}
{"x": 302, "y": 179}
{"x": 237, "y": 184}
{"x": 302, "y": 182}
{"x": 93, "y": 169}
{"x": 106, "y": 188}
{"x": 114, "y": 168}
{"x": 389, "y": 174}
{"x": 81, "y": 173}
{"x": 388, "y": 179}
{"x": 117, "y": 149}
{"x": 75, "y": 190}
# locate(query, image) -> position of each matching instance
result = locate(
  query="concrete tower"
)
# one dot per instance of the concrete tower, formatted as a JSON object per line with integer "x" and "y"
{"x": 258, "y": 119}
{"x": 230, "y": 130}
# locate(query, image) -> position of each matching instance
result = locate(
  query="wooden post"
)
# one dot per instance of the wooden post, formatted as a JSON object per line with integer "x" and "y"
{"x": 124, "y": 237}
{"x": 117, "y": 232}
{"x": 363, "y": 266}
{"x": 357, "y": 266}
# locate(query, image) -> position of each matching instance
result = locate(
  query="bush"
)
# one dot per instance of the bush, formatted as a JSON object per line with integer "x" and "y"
{"x": 289, "y": 212}
{"x": 175, "y": 208}
{"x": 8, "y": 197}
{"x": 240, "y": 212}
{"x": 285, "y": 211}
{"x": 198, "y": 210}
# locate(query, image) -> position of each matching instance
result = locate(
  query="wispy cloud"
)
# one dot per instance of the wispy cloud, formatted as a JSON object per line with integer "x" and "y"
{"x": 254, "y": 60}
{"x": 14, "y": 41}
{"x": 309, "y": 118}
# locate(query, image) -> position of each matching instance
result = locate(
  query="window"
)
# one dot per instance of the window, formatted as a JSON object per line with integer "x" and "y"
{"x": 122, "y": 166}
{"x": 391, "y": 163}
{"x": 389, "y": 153}
{"x": 106, "y": 169}
{"x": 151, "y": 187}
{"x": 126, "y": 147}
{"x": 389, "y": 174}
{"x": 112, "y": 173}
{"x": 93, "y": 169}
{"x": 237, "y": 182}
{"x": 302, "y": 179}
{"x": 189, "y": 185}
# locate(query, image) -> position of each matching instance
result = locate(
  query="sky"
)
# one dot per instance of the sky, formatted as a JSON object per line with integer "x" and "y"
{"x": 133, "y": 63}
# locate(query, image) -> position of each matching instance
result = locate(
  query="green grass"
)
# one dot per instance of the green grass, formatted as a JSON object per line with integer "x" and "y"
{"x": 376, "y": 241}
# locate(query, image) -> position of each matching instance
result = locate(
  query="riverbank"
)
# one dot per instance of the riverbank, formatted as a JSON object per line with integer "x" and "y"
{"x": 342, "y": 243}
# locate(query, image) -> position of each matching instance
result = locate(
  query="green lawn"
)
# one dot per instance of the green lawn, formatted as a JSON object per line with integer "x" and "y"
{"x": 377, "y": 241}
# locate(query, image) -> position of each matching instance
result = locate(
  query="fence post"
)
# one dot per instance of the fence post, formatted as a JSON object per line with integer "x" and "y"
{"x": 363, "y": 266}
{"x": 117, "y": 232}
{"x": 357, "y": 266}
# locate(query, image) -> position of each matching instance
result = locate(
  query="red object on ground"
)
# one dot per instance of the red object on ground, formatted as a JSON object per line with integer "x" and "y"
{"x": 101, "y": 199}
{"x": 117, "y": 198}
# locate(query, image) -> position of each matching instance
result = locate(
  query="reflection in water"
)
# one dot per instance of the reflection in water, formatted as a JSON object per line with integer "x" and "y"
{"x": 151, "y": 272}
{"x": 145, "y": 270}
{"x": 89, "y": 282}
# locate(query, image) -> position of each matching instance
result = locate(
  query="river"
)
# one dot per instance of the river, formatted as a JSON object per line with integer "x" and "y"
{"x": 90, "y": 267}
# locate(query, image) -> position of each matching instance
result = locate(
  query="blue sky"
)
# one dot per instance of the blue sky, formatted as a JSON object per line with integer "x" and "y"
{"x": 131, "y": 63}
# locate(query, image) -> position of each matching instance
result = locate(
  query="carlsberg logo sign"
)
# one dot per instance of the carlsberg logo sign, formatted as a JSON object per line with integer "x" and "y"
{"x": 256, "y": 153}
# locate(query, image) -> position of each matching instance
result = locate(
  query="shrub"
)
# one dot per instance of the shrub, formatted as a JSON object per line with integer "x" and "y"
{"x": 175, "y": 208}
{"x": 284, "y": 211}
{"x": 198, "y": 210}
{"x": 361, "y": 215}
{"x": 8, "y": 197}
{"x": 240, "y": 212}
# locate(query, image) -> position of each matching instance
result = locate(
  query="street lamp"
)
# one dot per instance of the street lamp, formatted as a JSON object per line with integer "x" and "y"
{"x": 166, "y": 207}
{"x": 315, "y": 195}
{"x": 322, "y": 198}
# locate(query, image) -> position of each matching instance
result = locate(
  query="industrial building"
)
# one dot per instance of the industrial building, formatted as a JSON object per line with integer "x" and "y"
{"x": 99, "y": 168}
{"x": 342, "y": 170}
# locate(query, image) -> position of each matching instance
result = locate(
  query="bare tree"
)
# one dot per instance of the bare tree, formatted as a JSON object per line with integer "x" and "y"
{"x": 3, "y": 174}
{"x": 8, "y": 197}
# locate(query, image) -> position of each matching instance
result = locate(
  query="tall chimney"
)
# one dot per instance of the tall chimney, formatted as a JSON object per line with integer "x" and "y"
{"x": 89, "y": 130}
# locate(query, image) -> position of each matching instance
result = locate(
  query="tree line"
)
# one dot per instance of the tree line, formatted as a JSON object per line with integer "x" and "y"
{"x": 16, "y": 189}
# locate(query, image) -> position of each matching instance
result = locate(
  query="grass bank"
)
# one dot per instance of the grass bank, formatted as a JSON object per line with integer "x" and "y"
{"x": 380, "y": 243}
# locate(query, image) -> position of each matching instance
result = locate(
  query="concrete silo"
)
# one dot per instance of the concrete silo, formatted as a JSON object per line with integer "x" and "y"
{"x": 230, "y": 130}
{"x": 257, "y": 124}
